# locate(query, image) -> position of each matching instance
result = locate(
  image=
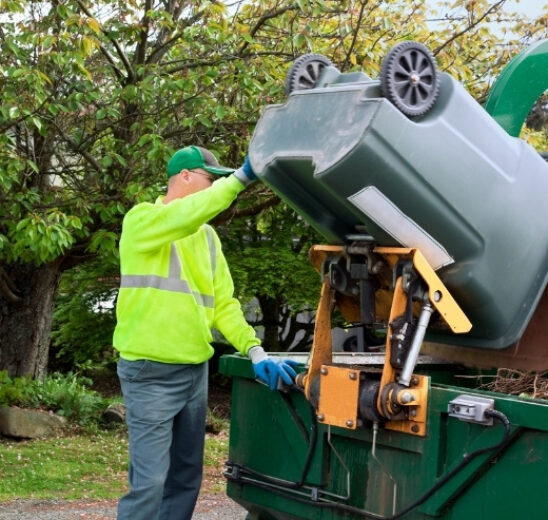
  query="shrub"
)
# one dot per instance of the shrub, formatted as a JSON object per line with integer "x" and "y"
{"x": 20, "y": 391}
{"x": 84, "y": 318}
{"x": 67, "y": 395}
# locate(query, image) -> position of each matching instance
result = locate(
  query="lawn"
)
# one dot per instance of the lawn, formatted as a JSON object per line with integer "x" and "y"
{"x": 85, "y": 466}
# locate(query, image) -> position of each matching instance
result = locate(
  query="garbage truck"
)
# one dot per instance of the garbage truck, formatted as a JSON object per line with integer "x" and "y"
{"x": 435, "y": 222}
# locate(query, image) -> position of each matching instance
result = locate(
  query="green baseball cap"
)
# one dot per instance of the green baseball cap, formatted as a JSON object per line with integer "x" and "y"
{"x": 192, "y": 157}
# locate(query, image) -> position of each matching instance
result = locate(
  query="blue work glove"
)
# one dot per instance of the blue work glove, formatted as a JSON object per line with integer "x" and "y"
{"x": 245, "y": 174}
{"x": 268, "y": 369}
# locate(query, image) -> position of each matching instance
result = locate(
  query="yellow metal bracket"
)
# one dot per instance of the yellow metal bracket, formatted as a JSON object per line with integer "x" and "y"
{"x": 438, "y": 294}
{"x": 321, "y": 346}
{"x": 339, "y": 396}
{"x": 415, "y": 399}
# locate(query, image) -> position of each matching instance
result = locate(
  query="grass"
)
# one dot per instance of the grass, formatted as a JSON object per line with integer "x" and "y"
{"x": 85, "y": 466}
{"x": 215, "y": 456}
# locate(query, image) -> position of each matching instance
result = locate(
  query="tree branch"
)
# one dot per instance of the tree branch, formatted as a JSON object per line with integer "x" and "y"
{"x": 160, "y": 50}
{"x": 262, "y": 20}
{"x": 119, "y": 51}
{"x": 75, "y": 148}
{"x": 355, "y": 35}
{"x": 140, "y": 51}
{"x": 255, "y": 209}
{"x": 470, "y": 26}
{"x": 224, "y": 59}
{"x": 232, "y": 212}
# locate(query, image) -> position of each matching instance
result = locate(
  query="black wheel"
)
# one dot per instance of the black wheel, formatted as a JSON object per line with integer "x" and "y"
{"x": 409, "y": 78}
{"x": 305, "y": 71}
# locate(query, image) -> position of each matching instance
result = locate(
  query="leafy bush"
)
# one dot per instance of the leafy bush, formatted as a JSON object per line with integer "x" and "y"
{"x": 84, "y": 318}
{"x": 20, "y": 391}
{"x": 67, "y": 395}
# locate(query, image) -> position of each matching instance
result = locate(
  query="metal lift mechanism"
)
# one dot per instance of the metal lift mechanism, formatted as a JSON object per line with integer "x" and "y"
{"x": 343, "y": 394}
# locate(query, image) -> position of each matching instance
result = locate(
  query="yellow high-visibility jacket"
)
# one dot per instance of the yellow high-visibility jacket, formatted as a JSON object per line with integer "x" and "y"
{"x": 175, "y": 283}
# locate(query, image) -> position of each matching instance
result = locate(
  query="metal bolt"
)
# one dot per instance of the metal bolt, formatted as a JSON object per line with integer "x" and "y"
{"x": 415, "y": 428}
{"x": 414, "y": 381}
{"x": 352, "y": 375}
{"x": 413, "y": 412}
{"x": 376, "y": 268}
{"x": 407, "y": 397}
{"x": 350, "y": 423}
{"x": 437, "y": 296}
{"x": 321, "y": 417}
{"x": 323, "y": 371}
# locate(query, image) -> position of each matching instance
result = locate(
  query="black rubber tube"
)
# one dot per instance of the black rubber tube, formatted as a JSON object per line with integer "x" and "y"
{"x": 467, "y": 458}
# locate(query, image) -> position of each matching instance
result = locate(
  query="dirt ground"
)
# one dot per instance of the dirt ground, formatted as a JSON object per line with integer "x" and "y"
{"x": 209, "y": 507}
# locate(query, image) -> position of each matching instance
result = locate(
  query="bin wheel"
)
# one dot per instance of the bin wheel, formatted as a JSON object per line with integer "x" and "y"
{"x": 305, "y": 71}
{"x": 409, "y": 78}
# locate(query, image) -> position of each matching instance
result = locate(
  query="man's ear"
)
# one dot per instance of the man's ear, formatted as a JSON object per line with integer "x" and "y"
{"x": 185, "y": 175}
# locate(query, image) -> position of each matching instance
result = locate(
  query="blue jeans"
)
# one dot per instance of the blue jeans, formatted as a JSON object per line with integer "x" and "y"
{"x": 165, "y": 414}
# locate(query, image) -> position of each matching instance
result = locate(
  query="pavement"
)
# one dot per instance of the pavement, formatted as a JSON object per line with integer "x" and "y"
{"x": 209, "y": 507}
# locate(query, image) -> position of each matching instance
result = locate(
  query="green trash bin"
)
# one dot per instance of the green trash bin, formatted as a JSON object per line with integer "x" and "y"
{"x": 350, "y": 475}
{"x": 449, "y": 181}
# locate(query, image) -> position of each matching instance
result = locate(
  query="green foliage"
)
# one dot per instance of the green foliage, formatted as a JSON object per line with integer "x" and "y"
{"x": 95, "y": 97}
{"x": 66, "y": 395}
{"x": 84, "y": 317}
{"x": 20, "y": 391}
{"x": 69, "y": 396}
{"x": 269, "y": 263}
{"x": 270, "y": 256}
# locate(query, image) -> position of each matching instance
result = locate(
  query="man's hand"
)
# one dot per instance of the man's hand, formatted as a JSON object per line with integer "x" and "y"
{"x": 269, "y": 369}
{"x": 245, "y": 174}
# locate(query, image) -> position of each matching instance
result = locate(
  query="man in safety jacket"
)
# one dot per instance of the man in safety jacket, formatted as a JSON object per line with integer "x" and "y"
{"x": 175, "y": 286}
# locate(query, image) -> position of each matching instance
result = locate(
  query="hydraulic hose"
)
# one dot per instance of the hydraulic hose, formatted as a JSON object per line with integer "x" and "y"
{"x": 308, "y": 461}
{"x": 467, "y": 458}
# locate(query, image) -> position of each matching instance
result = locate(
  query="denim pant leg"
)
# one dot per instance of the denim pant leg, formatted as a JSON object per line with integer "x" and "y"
{"x": 154, "y": 395}
{"x": 187, "y": 452}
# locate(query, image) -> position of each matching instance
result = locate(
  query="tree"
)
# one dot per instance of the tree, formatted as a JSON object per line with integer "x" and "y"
{"x": 84, "y": 317}
{"x": 268, "y": 259}
{"x": 93, "y": 103}
{"x": 96, "y": 95}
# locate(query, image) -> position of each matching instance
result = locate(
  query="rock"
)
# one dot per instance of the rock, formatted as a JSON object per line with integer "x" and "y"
{"x": 29, "y": 424}
{"x": 115, "y": 413}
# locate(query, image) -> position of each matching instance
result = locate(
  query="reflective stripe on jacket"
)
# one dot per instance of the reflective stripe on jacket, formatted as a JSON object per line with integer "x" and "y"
{"x": 175, "y": 282}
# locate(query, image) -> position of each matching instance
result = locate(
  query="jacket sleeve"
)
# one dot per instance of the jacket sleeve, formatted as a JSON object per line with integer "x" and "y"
{"x": 229, "y": 318}
{"x": 153, "y": 225}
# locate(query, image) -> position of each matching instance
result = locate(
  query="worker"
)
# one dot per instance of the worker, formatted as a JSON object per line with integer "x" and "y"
{"x": 175, "y": 286}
